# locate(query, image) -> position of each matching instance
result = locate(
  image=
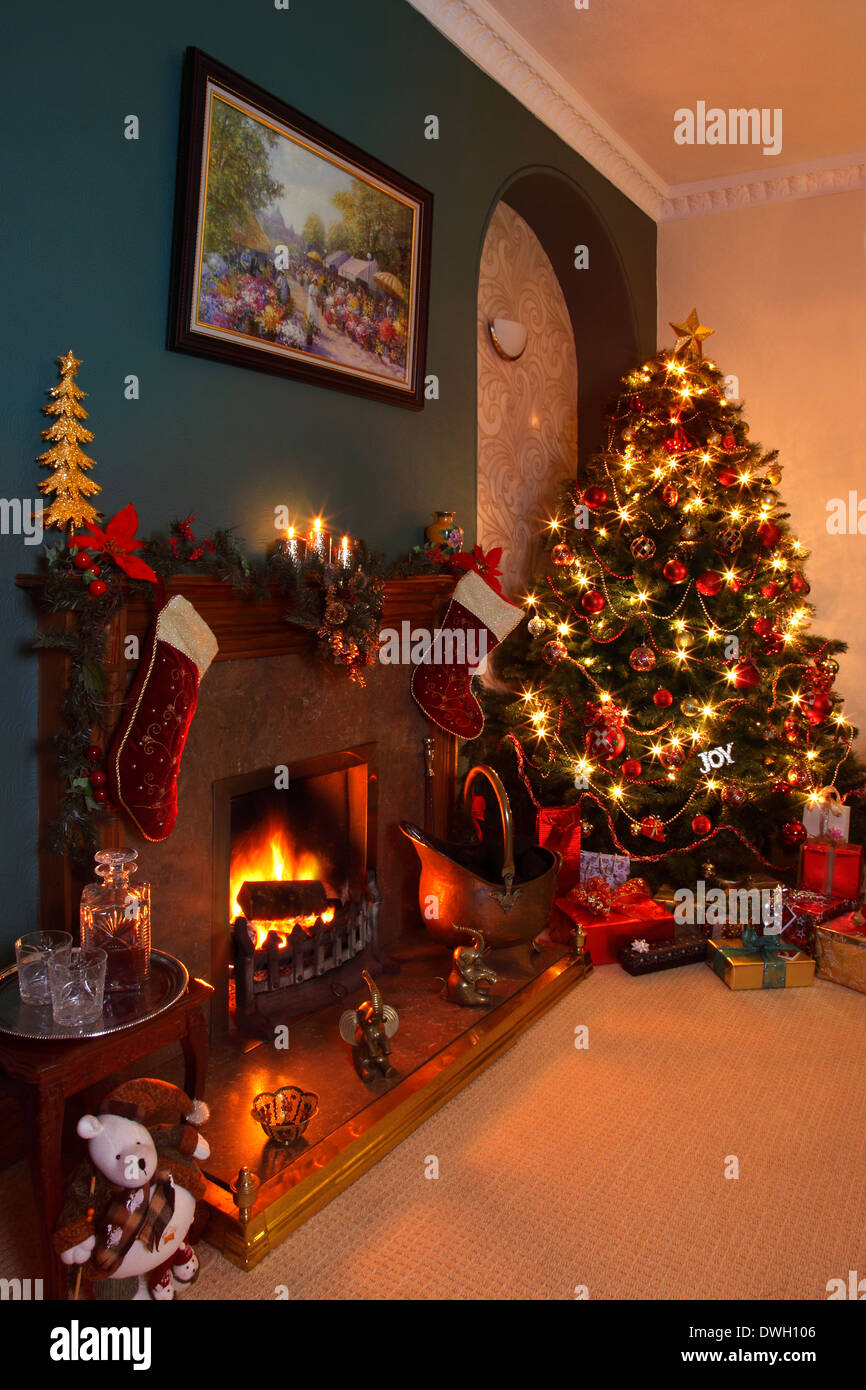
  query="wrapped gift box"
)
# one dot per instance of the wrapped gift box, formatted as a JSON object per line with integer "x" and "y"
{"x": 607, "y": 936}
{"x": 558, "y": 829}
{"x": 742, "y": 968}
{"x": 827, "y": 818}
{"x": 831, "y": 867}
{"x": 804, "y": 911}
{"x": 841, "y": 952}
{"x": 613, "y": 868}
{"x": 642, "y": 957}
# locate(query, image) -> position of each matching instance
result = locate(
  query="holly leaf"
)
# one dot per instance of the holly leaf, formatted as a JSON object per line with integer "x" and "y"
{"x": 93, "y": 676}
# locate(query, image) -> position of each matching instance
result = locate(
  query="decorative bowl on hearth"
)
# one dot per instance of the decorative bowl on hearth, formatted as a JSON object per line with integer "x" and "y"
{"x": 285, "y": 1114}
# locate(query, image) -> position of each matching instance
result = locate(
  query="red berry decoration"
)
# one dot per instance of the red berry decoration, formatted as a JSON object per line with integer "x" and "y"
{"x": 675, "y": 571}
{"x": 709, "y": 583}
{"x": 762, "y": 627}
{"x": 652, "y": 827}
{"x": 592, "y": 602}
{"x": 632, "y": 769}
{"x": 727, "y": 476}
{"x": 770, "y": 590}
{"x": 702, "y": 825}
{"x": 82, "y": 560}
{"x": 799, "y": 584}
{"x": 93, "y": 754}
{"x": 729, "y": 443}
{"x": 773, "y": 644}
{"x": 780, "y": 787}
{"x": 746, "y": 675}
{"x": 97, "y": 778}
{"x": 663, "y": 698}
{"x": 595, "y": 497}
{"x": 677, "y": 443}
{"x": 636, "y": 405}
{"x": 793, "y": 834}
{"x": 769, "y": 534}
{"x": 96, "y": 588}
{"x": 670, "y": 495}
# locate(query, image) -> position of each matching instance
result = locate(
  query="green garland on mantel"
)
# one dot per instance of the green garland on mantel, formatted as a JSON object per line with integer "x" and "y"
{"x": 343, "y": 607}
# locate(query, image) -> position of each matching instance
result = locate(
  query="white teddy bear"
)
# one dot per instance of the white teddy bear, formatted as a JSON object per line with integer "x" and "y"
{"x": 140, "y": 1189}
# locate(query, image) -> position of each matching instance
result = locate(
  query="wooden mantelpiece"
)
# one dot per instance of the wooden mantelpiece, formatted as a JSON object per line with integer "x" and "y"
{"x": 246, "y": 630}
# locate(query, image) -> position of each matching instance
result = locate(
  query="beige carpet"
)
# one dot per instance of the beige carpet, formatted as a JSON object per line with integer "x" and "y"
{"x": 604, "y": 1167}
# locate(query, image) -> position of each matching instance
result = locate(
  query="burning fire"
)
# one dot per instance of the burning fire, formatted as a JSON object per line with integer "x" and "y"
{"x": 268, "y": 855}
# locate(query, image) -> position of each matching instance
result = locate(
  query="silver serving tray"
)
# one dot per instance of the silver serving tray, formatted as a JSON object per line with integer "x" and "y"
{"x": 166, "y": 982}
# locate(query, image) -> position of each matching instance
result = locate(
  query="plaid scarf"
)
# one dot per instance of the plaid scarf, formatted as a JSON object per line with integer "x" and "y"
{"x": 140, "y": 1213}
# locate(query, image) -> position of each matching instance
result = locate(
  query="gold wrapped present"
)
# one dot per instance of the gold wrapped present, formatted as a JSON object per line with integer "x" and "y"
{"x": 747, "y": 965}
{"x": 841, "y": 952}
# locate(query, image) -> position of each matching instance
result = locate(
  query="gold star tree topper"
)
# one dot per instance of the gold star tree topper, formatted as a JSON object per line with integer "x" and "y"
{"x": 68, "y": 481}
{"x": 691, "y": 334}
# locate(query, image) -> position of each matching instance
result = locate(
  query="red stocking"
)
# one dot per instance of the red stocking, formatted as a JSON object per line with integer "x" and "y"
{"x": 144, "y": 758}
{"x": 478, "y": 619}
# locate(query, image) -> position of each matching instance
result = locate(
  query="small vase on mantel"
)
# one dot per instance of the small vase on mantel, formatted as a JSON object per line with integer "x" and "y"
{"x": 115, "y": 916}
{"x": 442, "y": 531}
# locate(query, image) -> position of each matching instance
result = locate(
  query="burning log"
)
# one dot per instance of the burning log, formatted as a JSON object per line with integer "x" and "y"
{"x": 281, "y": 902}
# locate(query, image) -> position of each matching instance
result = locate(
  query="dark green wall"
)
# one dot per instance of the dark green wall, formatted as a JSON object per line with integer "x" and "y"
{"x": 86, "y": 227}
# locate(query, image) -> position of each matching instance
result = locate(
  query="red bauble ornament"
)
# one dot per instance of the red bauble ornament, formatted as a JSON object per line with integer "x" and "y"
{"x": 595, "y": 497}
{"x": 99, "y": 794}
{"x": 96, "y": 588}
{"x": 631, "y": 769}
{"x": 793, "y": 834}
{"x": 780, "y": 787}
{"x": 769, "y": 533}
{"x": 709, "y": 583}
{"x": 798, "y": 776}
{"x": 605, "y": 741}
{"x": 727, "y": 476}
{"x": 675, "y": 571}
{"x": 746, "y": 675}
{"x": 636, "y": 404}
{"x": 817, "y": 709}
{"x": 762, "y": 627}
{"x": 97, "y": 779}
{"x": 670, "y": 495}
{"x": 82, "y": 560}
{"x": 734, "y": 794}
{"x": 93, "y": 754}
{"x": 553, "y": 652}
{"x": 770, "y": 590}
{"x": 773, "y": 644}
{"x": 642, "y": 659}
{"x": 702, "y": 825}
{"x": 799, "y": 583}
{"x": 672, "y": 756}
{"x": 663, "y": 698}
{"x": 652, "y": 827}
{"x": 729, "y": 443}
{"x": 562, "y": 554}
{"x": 592, "y": 601}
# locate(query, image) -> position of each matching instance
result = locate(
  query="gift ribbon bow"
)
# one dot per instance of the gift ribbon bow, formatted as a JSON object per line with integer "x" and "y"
{"x": 600, "y": 899}
{"x": 775, "y": 955}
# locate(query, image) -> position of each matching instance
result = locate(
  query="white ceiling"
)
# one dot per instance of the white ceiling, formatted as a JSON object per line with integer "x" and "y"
{"x": 613, "y": 75}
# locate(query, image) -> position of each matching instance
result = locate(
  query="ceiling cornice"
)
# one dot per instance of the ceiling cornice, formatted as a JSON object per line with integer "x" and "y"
{"x": 504, "y": 54}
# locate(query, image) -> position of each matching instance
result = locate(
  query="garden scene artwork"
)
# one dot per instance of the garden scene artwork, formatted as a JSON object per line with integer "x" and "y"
{"x": 297, "y": 253}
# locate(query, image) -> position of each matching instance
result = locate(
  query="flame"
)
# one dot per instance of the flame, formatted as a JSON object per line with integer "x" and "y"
{"x": 268, "y": 855}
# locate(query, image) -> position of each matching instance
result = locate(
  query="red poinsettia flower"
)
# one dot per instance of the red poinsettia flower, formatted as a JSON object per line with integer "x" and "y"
{"x": 117, "y": 542}
{"x": 485, "y": 565}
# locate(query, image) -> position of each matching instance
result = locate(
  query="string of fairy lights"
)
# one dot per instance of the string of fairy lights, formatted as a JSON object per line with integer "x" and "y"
{"x": 679, "y": 469}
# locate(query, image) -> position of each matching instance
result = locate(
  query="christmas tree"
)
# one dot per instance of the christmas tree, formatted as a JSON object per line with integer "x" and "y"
{"x": 68, "y": 482}
{"x": 668, "y": 677}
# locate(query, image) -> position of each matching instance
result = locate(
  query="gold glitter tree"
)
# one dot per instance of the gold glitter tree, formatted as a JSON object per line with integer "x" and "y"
{"x": 69, "y": 482}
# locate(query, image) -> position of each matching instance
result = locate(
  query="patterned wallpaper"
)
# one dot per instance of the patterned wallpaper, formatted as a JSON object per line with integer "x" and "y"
{"x": 527, "y": 410}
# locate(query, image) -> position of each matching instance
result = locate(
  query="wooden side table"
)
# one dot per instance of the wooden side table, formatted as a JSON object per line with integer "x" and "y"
{"x": 49, "y": 1072}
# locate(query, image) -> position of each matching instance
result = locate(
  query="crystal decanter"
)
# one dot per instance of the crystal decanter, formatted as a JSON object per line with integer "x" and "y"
{"x": 115, "y": 916}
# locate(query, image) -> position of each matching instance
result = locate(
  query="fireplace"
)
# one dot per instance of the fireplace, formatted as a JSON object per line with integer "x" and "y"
{"x": 294, "y": 866}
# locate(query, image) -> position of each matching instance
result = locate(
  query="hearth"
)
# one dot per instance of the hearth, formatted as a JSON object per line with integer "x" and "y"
{"x": 294, "y": 865}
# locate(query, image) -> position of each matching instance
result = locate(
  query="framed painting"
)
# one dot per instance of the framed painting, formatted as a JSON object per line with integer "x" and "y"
{"x": 294, "y": 252}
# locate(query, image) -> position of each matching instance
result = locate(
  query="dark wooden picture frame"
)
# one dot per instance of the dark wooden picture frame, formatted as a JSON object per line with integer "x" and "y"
{"x": 341, "y": 304}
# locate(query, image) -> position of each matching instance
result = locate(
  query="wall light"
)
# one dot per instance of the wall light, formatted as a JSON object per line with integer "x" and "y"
{"x": 508, "y": 337}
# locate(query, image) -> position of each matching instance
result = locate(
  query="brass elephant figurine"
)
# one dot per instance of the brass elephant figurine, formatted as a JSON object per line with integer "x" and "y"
{"x": 471, "y": 978}
{"x": 369, "y": 1029}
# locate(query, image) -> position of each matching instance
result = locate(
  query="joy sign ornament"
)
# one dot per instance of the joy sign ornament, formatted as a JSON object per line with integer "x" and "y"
{"x": 716, "y": 758}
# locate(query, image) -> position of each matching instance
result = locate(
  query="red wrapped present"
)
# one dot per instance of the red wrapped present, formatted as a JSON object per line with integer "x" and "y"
{"x": 611, "y": 917}
{"x": 558, "y": 829}
{"x": 803, "y": 911}
{"x": 831, "y": 867}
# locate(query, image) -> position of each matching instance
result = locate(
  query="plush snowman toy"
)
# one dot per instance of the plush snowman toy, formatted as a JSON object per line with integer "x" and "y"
{"x": 130, "y": 1207}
